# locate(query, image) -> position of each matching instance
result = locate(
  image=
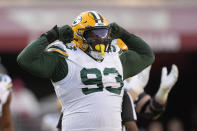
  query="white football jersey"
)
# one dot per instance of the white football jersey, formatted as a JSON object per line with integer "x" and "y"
{"x": 5, "y": 85}
{"x": 91, "y": 93}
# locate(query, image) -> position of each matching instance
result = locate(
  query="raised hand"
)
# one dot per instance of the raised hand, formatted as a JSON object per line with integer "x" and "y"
{"x": 167, "y": 82}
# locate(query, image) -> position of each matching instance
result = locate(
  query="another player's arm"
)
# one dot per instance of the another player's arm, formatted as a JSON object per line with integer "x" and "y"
{"x": 5, "y": 120}
{"x": 139, "y": 55}
{"x": 152, "y": 107}
{"x": 41, "y": 63}
{"x": 148, "y": 108}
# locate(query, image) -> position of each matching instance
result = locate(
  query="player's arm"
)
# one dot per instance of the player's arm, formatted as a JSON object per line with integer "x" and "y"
{"x": 139, "y": 55}
{"x": 128, "y": 114}
{"x": 36, "y": 60}
{"x": 5, "y": 120}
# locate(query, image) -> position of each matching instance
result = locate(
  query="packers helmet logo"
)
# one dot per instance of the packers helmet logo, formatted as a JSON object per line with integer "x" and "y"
{"x": 77, "y": 21}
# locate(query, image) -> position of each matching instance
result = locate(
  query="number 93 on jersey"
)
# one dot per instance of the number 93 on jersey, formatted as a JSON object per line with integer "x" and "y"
{"x": 96, "y": 80}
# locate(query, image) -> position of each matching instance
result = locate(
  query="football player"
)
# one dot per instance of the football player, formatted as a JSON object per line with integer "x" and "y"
{"x": 5, "y": 100}
{"x": 87, "y": 69}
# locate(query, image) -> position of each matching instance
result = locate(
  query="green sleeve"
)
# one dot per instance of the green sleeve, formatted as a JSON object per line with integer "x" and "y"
{"x": 138, "y": 57}
{"x": 35, "y": 60}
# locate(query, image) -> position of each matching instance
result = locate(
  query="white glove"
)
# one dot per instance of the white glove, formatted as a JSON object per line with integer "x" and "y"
{"x": 138, "y": 82}
{"x": 167, "y": 82}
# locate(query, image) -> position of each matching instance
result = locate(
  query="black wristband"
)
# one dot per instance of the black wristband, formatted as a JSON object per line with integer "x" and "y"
{"x": 52, "y": 35}
{"x": 158, "y": 105}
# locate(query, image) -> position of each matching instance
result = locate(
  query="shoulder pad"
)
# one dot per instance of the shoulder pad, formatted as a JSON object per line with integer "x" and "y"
{"x": 57, "y": 47}
{"x": 121, "y": 44}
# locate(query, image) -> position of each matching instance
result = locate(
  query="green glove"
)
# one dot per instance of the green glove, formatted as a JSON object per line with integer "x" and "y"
{"x": 64, "y": 34}
{"x": 116, "y": 30}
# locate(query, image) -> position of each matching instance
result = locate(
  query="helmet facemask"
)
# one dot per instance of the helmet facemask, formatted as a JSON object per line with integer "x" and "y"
{"x": 98, "y": 40}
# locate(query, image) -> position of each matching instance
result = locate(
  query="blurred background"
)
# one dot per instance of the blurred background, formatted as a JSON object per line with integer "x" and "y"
{"x": 168, "y": 26}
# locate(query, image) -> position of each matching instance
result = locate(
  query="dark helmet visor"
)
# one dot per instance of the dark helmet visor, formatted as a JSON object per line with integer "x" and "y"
{"x": 97, "y": 36}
